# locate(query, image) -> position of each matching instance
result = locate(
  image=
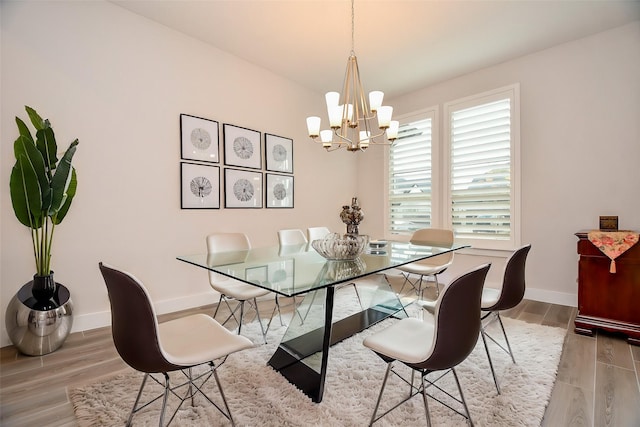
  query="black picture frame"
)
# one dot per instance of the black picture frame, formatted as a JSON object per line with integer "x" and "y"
{"x": 242, "y": 147}
{"x": 199, "y": 186}
{"x": 257, "y": 275}
{"x": 279, "y": 191}
{"x": 281, "y": 274}
{"x": 199, "y": 139}
{"x": 278, "y": 153}
{"x": 242, "y": 189}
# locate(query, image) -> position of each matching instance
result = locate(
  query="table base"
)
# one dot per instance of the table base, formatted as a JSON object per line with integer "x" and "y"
{"x": 288, "y": 358}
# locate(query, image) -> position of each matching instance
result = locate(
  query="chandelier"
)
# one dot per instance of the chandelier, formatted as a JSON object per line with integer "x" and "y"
{"x": 356, "y": 122}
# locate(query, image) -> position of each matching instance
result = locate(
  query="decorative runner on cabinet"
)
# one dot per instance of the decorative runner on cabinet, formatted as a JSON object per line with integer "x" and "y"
{"x": 613, "y": 243}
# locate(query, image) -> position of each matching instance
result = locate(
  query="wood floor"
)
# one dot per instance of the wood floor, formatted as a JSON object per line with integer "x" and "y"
{"x": 597, "y": 383}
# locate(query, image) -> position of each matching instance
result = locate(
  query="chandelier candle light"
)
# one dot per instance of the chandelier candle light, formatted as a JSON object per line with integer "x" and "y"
{"x": 352, "y": 117}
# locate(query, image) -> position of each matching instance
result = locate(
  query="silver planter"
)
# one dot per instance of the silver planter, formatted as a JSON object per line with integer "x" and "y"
{"x": 37, "y": 326}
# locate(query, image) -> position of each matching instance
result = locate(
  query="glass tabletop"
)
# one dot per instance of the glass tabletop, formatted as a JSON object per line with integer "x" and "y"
{"x": 297, "y": 269}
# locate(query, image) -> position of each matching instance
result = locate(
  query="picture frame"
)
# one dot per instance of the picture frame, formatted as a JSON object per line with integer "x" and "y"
{"x": 279, "y": 191}
{"x": 281, "y": 274}
{"x": 242, "y": 189}
{"x": 199, "y": 139}
{"x": 242, "y": 147}
{"x": 278, "y": 153}
{"x": 199, "y": 186}
{"x": 608, "y": 222}
{"x": 257, "y": 275}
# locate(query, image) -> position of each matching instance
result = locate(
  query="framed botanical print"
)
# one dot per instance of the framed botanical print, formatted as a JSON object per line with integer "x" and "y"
{"x": 279, "y": 191}
{"x": 199, "y": 186}
{"x": 199, "y": 139}
{"x": 278, "y": 152}
{"x": 257, "y": 275}
{"x": 242, "y": 189}
{"x": 242, "y": 147}
{"x": 281, "y": 274}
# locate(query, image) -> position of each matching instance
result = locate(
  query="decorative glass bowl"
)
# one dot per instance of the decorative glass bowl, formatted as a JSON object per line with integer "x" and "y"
{"x": 341, "y": 248}
{"x": 340, "y": 270}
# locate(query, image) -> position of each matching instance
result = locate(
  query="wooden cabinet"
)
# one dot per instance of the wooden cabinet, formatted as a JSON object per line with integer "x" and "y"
{"x": 609, "y": 301}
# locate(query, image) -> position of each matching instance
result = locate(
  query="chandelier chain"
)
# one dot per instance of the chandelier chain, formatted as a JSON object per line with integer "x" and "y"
{"x": 353, "y": 26}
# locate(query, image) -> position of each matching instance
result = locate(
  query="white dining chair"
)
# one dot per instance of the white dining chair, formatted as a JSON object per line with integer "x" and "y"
{"x": 225, "y": 245}
{"x": 315, "y": 233}
{"x": 430, "y": 266}
{"x": 291, "y": 241}
{"x": 291, "y": 236}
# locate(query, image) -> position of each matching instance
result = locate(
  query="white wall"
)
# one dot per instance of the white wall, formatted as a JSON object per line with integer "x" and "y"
{"x": 580, "y": 148}
{"x": 118, "y": 83}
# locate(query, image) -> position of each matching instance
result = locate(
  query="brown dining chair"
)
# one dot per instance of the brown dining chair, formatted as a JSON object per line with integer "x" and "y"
{"x": 496, "y": 300}
{"x": 430, "y": 266}
{"x": 438, "y": 343}
{"x": 161, "y": 348}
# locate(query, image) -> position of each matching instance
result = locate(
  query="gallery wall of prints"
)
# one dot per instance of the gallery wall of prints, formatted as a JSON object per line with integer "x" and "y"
{"x": 253, "y": 172}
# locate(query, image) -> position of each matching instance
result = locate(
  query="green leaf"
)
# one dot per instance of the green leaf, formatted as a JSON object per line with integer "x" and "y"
{"x": 71, "y": 192}
{"x": 25, "y": 193}
{"x": 24, "y": 130}
{"x": 18, "y": 195}
{"x": 24, "y": 147}
{"x": 37, "y": 121}
{"x": 46, "y": 143}
{"x": 62, "y": 179}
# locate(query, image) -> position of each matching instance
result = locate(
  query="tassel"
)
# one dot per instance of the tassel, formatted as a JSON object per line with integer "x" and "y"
{"x": 612, "y": 268}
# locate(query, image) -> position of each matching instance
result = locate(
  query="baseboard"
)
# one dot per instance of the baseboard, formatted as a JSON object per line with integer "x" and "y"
{"x": 85, "y": 322}
{"x": 552, "y": 297}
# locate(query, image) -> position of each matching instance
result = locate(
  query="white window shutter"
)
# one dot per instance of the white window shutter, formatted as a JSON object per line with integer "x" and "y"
{"x": 410, "y": 173}
{"x": 480, "y": 171}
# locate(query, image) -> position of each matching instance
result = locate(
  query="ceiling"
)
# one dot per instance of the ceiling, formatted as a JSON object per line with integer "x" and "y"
{"x": 401, "y": 45}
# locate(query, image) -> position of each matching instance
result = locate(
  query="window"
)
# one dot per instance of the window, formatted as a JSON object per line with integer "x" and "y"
{"x": 481, "y": 159}
{"x": 478, "y": 195}
{"x": 410, "y": 175}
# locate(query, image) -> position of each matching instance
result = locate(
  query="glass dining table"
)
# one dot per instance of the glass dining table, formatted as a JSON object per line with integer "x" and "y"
{"x": 322, "y": 319}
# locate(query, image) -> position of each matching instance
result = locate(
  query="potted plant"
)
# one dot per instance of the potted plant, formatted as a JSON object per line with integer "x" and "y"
{"x": 42, "y": 189}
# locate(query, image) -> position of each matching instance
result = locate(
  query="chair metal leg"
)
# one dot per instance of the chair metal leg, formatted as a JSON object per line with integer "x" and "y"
{"x": 164, "y": 399}
{"x": 215, "y": 313}
{"x": 424, "y": 397}
{"x": 273, "y": 313}
{"x": 384, "y": 383}
{"x": 417, "y": 285}
{"x": 191, "y": 392}
{"x": 224, "y": 399}
{"x": 464, "y": 402}
{"x": 355, "y": 288}
{"x": 232, "y": 311}
{"x": 135, "y": 404}
{"x": 420, "y": 290}
{"x": 486, "y": 348}
{"x": 505, "y": 337}
{"x": 241, "y": 317}
{"x": 280, "y": 311}
{"x": 264, "y": 334}
{"x": 406, "y": 279}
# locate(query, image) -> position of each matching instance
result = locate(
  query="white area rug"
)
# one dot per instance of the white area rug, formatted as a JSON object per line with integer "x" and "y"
{"x": 259, "y": 396}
